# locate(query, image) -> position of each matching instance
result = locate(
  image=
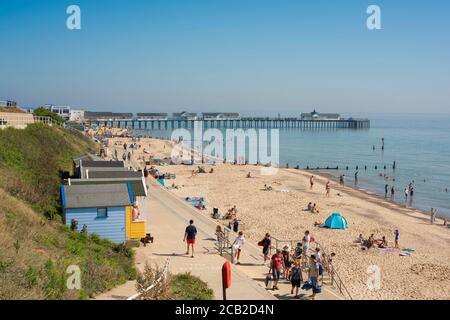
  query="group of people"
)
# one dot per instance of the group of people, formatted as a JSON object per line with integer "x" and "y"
{"x": 409, "y": 191}
{"x": 312, "y": 208}
{"x": 290, "y": 263}
{"x": 382, "y": 243}
{"x": 327, "y": 185}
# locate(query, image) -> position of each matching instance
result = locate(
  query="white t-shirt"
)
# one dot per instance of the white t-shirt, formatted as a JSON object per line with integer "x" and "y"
{"x": 239, "y": 242}
{"x": 305, "y": 242}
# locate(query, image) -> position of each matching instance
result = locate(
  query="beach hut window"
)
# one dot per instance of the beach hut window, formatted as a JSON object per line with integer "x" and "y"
{"x": 102, "y": 212}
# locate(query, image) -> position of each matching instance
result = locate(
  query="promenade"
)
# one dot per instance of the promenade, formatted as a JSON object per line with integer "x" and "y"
{"x": 167, "y": 217}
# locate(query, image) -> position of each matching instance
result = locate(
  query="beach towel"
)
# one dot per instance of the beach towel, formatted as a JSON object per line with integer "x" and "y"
{"x": 404, "y": 254}
{"x": 409, "y": 250}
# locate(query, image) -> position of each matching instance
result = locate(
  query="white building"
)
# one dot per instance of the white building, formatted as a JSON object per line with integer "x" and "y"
{"x": 62, "y": 111}
{"x": 184, "y": 116}
{"x": 320, "y": 116}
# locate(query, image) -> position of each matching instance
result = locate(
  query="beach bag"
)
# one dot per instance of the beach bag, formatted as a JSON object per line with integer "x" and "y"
{"x": 317, "y": 289}
{"x": 307, "y": 285}
{"x": 268, "y": 280}
{"x": 261, "y": 243}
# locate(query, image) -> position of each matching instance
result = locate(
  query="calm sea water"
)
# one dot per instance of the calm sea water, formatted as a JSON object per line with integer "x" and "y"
{"x": 420, "y": 145}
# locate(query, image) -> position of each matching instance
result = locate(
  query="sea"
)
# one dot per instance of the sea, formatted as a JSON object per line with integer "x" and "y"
{"x": 418, "y": 143}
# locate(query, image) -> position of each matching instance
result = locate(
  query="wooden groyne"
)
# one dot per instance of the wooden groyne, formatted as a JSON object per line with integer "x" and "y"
{"x": 244, "y": 123}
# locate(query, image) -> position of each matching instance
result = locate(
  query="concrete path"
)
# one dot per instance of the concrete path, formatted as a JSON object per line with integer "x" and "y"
{"x": 167, "y": 219}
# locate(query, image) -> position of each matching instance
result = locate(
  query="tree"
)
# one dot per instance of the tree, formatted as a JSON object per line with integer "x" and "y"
{"x": 43, "y": 112}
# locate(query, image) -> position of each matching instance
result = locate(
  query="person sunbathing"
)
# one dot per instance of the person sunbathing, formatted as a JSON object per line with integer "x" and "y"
{"x": 360, "y": 239}
{"x": 310, "y": 206}
{"x": 382, "y": 244}
{"x": 228, "y": 215}
{"x": 267, "y": 188}
{"x": 314, "y": 209}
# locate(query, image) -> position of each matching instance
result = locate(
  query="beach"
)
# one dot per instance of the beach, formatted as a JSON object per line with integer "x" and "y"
{"x": 425, "y": 274}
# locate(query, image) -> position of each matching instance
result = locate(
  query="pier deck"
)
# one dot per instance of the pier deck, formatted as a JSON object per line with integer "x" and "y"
{"x": 244, "y": 123}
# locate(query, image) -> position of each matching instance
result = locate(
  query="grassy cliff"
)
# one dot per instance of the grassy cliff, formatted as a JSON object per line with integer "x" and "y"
{"x": 36, "y": 249}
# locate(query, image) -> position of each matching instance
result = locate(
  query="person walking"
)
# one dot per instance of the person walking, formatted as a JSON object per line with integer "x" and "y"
{"x": 314, "y": 275}
{"x": 277, "y": 262}
{"x": 265, "y": 243}
{"x": 406, "y": 194}
{"x": 296, "y": 278}
{"x": 305, "y": 245}
{"x": 237, "y": 246}
{"x": 433, "y": 215}
{"x": 392, "y": 193}
{"x": 311, "y": 182}
{"x": 386, "y": 190}
{"x": 189, "y": 237}
{"x": 328, "y": 188}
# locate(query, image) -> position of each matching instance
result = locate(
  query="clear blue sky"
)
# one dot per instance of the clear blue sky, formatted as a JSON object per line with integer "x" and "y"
{"x": 250, "y": 56}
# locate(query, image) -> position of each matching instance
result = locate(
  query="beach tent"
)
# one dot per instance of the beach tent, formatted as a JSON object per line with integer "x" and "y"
{"x": 335, "y": 221}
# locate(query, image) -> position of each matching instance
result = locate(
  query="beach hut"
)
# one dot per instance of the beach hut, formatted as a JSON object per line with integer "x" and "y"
{"x": 335, "y": 221}
{"x": 105, "y": 209}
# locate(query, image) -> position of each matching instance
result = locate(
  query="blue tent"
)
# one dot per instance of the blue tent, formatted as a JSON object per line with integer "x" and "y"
{"x": 335, "y": 221}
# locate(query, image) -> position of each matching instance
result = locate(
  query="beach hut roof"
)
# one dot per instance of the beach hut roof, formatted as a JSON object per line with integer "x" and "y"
{"x": 96, "y": 196}
{"x": 102, "y": 164}
{"x": 138, "y": 186}
{"x": 336, "y": 221}
{"x": 113, "y": 174}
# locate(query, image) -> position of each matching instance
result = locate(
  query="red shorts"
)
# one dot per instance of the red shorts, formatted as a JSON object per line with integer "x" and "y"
{"x": 190, "y": 241}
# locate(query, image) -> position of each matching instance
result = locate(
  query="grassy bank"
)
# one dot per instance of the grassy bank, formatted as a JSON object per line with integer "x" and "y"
{"x": 36, "y": 248}
{"x": 32, "y": 162}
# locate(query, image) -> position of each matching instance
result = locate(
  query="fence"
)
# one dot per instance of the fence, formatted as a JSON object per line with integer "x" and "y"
{"x": 163, "y": 275}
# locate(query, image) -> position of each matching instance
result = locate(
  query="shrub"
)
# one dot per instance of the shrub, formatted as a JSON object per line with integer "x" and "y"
{"x": 43, "y": 112}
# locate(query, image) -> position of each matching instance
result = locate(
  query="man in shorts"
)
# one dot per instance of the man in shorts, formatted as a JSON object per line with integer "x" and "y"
{"x": 277, "y": 262}
{"x": 189, "y": 236}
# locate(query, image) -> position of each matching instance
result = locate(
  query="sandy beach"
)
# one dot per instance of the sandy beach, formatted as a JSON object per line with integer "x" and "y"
{"x": 425, "y": 274}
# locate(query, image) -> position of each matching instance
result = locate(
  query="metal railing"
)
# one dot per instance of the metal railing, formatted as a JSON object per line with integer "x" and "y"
{"x": 163, "y": 276}
{"x": 334, "y": 276}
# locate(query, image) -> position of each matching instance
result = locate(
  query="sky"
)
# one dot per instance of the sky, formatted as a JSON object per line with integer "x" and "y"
{"x": 248, "y": 56}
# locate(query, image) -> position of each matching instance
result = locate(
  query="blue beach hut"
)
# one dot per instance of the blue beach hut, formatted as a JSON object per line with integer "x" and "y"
{"x": 101, "y": 207}
{"x": 335, "y": 221}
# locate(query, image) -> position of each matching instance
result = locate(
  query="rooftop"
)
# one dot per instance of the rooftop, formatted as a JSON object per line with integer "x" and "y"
{"x": 95, "y": 196}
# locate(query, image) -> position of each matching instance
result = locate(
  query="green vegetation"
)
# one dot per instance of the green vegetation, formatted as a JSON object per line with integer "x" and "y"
{"x": 185, "y": 286}
{"x": 42, "y": 112}
{"x": 32, "y": 161}
{"x": 182, "y": 286}
{"x": 36, "y": 249}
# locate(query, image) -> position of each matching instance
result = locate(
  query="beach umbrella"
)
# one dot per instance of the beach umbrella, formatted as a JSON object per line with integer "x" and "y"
{"x": 335, "y": 221}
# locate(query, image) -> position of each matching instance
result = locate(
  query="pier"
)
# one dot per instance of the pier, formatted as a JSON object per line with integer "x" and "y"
{"x": 242, "y": 123}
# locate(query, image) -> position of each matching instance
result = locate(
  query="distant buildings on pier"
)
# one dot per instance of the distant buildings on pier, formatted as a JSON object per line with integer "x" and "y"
{"x": 320, "y": 116}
